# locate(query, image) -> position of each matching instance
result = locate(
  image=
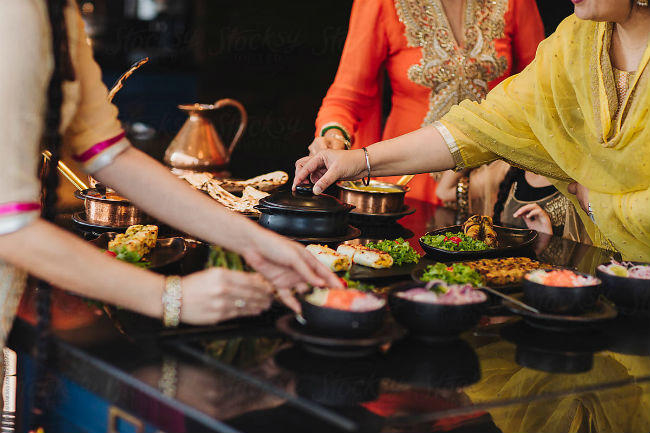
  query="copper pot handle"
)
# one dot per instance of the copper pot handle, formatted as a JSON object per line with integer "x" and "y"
{"x": 242, "y": 124}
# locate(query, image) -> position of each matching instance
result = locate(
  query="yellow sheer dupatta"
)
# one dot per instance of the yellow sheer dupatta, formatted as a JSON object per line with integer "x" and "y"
{"x": 556, "y": 118}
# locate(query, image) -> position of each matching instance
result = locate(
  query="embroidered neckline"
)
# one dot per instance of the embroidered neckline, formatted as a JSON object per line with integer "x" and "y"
{"x": 453, "y": 72}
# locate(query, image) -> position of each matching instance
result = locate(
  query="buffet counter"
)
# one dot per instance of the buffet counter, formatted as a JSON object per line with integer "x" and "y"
{"x": 116, "y": 368}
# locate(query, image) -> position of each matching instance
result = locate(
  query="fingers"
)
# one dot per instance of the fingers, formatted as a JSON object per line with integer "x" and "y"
{"x": 573, "y": 188}
{"x": 289, "y": 300}
{"x": 325, "y": 180}
{"x": 304, "y": 169}
{"x": 526, "y": 210}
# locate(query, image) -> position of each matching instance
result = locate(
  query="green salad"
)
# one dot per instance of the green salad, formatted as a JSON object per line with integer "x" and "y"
{"x": 456, "y": 273}
{"x": 454, "y": 242}
{"x": 400, "y": 250}
{"x": 356, "y": 285}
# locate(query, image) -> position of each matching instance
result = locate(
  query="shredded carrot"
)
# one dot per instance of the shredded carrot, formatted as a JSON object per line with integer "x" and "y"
{"x": 341, "y": 298}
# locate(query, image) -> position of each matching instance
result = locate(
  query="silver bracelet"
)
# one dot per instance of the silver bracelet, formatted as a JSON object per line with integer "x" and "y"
{"x": 590, "y": 213}
{"x": 366, "y": 181}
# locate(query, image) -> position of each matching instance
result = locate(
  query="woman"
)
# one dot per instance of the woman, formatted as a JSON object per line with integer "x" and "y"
{"x": 565, "y": 117}
{"x": 514, "y": 198}
{"x": 50, "y": 86}
{"x": 436, "y": 53}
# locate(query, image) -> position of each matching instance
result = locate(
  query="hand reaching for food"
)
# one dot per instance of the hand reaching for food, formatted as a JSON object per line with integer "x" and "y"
{"x": 328, "y": 166}
{"x": 535, "y": 218}
{"x": 218, "y": 294}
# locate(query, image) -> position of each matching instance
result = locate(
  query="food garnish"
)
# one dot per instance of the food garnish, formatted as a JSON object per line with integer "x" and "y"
{"x": 133, "y": 245}
{"x": 344, "y": 299}
{"x": 222, "y": 258}
{"x": 626, "y": 269}
{"x": 400, "y": 250}
{"x": 506, "y": 270}
{"x": 481, "y": 228}
{"x": 560, "y": 278}
{"x": 357, "y": 285}
{"x": 330, "y": 258}
{"x": 365, "y": 256}
{"x": 454, "y": 242}
{"x": 455, "y": 294}
{"x": 456, "y": 273}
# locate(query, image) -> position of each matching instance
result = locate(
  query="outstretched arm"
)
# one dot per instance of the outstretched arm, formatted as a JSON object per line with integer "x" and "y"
{"x": 420, "y": 151}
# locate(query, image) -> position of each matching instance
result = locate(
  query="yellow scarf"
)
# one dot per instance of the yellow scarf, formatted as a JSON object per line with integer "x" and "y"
{"x": 556, "y": 118}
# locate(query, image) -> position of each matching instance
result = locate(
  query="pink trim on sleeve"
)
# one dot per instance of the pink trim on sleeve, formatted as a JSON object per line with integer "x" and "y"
{"x": 98, "y": 148}
{"x": 18, "y": 207}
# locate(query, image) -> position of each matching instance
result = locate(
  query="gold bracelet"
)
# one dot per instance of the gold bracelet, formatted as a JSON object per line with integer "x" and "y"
{"x": 171, "y": 301}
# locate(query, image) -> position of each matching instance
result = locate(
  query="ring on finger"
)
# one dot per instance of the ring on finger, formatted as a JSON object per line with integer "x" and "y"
{"x": 240, "y": 303}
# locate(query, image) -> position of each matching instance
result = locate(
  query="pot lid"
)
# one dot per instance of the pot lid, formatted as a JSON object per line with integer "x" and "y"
{"x": 303, "y": 199}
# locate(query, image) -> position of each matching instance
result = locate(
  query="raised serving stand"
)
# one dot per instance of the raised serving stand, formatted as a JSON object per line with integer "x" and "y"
{"x": 125, "y": 373}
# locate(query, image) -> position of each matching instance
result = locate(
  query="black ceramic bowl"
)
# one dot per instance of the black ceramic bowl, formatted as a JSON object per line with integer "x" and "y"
{"x": 558, "y": 299}
{"x": 432, "y": 320}
{"x": 633, "y": 294}
{"x": 341, "y": 323}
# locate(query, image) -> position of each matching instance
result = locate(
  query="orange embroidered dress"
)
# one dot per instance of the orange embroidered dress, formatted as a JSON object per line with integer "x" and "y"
{"x": 428, "y": 71}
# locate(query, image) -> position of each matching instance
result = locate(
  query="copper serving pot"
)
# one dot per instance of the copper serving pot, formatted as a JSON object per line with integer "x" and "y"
{"x": 376, "y": 198}
{"x": 109, "y": 209}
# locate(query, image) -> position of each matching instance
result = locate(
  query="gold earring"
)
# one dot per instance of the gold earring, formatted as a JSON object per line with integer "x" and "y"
{"x": 642, "y": 3}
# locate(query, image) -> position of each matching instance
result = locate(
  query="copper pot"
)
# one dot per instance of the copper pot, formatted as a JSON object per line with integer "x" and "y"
{"x": 109, "y": 209}
{"x": 376, "y": 198}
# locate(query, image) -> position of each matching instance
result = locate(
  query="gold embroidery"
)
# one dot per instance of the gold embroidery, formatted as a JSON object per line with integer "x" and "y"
{"x": 451, "y": 72}
{"x": 556, "y": 209}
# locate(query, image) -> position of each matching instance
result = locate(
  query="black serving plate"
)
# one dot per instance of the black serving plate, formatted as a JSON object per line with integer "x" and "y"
{"x": 510, "y": 242}
{"x": 358, "y": 272}
{"x": 352, "y": 233}
{"x": 603, "y": 311}
{"x": 552, "y": 352}
{"x": 379, "y": 219}
{"x": 418, "y": 270}
{"x": 80, "y": 219}
{"x": 339, "y": 347}
{"x": 573, "y": 300}
{"x": 166, "y": 252}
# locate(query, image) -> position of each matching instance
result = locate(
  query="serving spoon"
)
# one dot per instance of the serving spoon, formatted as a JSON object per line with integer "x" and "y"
{"x": 511, "y": 299}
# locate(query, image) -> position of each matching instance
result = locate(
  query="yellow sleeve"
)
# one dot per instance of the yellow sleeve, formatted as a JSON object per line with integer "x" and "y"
{"x": 94, "y": 135}
{"x": 629, "y": 216}
{"x": 508, "y": 123}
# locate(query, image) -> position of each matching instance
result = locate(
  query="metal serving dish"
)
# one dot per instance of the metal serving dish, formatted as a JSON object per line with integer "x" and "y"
{"x": 109, "y": 209}
{"x": 376, "y": 198}
{"x": 300, "y": 213}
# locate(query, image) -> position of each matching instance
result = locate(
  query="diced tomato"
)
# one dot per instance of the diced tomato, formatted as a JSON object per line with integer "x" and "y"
{"x": 455, "y": 239}
{"x": 446, "y": 238}
{"x": 343, "y": 281}
{"x": 450, "y": 268}
{"x": 110, "y": 253}
{"x": 341, "y": 298}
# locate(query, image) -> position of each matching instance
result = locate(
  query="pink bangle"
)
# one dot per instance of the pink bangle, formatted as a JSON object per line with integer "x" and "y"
{"x": 18, "y": 207}
{"x": 98, "y": 148}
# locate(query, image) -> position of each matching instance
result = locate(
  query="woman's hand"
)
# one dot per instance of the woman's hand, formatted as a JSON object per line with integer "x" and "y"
{"x": 287, "y": 265}
{"x": 329, "y": 166}
{"x": 331, "y": 140}
{"x": 218, "y": 294}
{"x": 582, "y": 194}
{"x": 535, "y": 218}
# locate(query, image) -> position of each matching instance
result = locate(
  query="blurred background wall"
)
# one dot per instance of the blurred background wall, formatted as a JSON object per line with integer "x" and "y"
{"x": 277, "y": 58}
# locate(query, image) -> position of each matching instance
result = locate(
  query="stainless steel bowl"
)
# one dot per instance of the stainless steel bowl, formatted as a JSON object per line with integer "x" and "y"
{"x": 383, "y": 197}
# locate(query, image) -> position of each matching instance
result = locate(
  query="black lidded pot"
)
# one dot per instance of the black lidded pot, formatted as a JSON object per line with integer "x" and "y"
{"x": 300, "y": 213}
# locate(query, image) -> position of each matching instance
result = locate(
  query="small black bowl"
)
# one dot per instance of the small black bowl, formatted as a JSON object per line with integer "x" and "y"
{"x": 633, "y": 294}
{"x": 341, "y": 323}
{"x": 432, "y": 320}
{"x": 560, "y": 300}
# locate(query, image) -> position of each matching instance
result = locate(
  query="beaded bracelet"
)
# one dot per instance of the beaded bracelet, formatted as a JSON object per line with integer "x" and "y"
{"x": 171, "y": 301}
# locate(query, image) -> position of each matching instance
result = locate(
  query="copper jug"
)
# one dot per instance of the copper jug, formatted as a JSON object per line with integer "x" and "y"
{"x": 197, "y": 146}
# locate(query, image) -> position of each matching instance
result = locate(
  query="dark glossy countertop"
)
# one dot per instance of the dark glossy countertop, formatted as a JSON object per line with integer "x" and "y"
{"x": 246, "y": 376}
